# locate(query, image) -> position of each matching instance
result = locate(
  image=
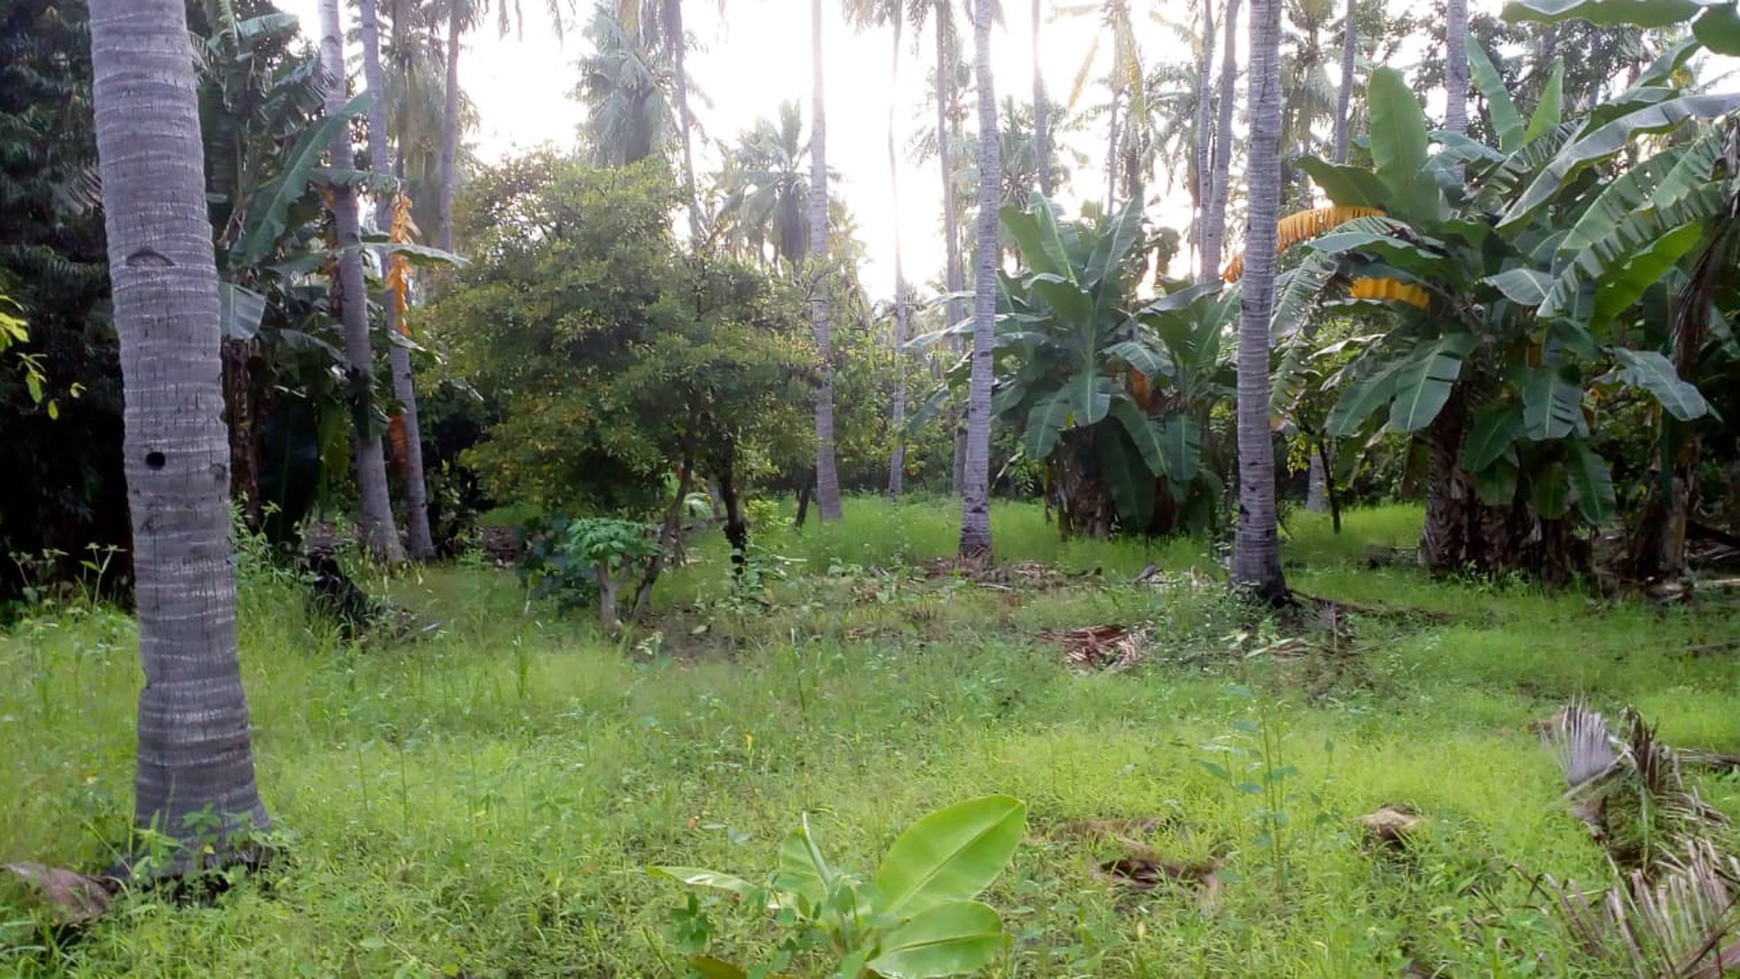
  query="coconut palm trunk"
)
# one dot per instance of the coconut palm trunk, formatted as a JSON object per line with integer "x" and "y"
{"x": 194, "y": 749}
{"x": 1456, "y": 66}
{"x": 1256, "y": 559}
{"x": 450, "y": 127}
{"x": 976, "y": 493}
{"x": 827, "y": 472}
{"x": 897, "y": 459}
{"x": 1202, "y": 152}
{"x": 953, "y": 276}
{"x": 352, "y": 303}
{"x": 1041, "y": 111}
{"x": 418, "y": 541}
{"x": 1214, "y": 219}
{"x": 1344, "y": 93}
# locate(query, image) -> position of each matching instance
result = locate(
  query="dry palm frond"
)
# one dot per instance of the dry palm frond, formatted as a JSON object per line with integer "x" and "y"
{"x": 1587, "y": 749}
{"x": 1387, "y": 290}
{"x": 1681, "y": 925}
{"x": 1297, "y": 227}
{"x": 1101, "y": 647}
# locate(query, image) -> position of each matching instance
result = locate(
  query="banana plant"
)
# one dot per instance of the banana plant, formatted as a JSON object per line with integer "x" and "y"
{"x": 1714, "y": 23}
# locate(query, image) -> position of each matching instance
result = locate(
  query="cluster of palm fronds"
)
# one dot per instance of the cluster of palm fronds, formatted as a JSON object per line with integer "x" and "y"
{"x": 1672, "y": 910}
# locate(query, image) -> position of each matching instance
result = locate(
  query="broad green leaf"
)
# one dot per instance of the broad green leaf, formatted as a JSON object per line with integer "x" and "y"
{"x": 1653, "y": 372}
{"x": 1023, "y": 226}
{"x": 1130, "y": 482}
{"x": 797, "y": 871}
{"x": 1125, "y": 230}
{"x": 242, "y": 311}
{"x": 1149, "y": 361}
{"x": 1495, "y": 429}
{"x": 1496, "y": 484}
{"x": 708, "y": 967}
{"x": 1045, "y": 423}
{"x": 423, "y": 256}
{"x": 1608, "y": 13}
{"x": 1506, "y": 120}
{"x": 266, "y": 213}
{"x": 696, "y": 877}
{"x": 1070, "y": 302}
{"x": 1525, "y": 287}
{"x": 1296, "y": 295}
{"x": 1181, "y": 437}
{"x": 1622, "y": 287}
{"x": 1363, "y": 397}
{"x": 951, "y": 939}
{"x": 1144, "y": 433}
{"x": 1090, "y": 397}
{"x": 1424, "y": 382}
{"x": 1591, "y": 482}
{"x": 952, "y": 854}
{"x": 1550, "y": 490}
{"x": 1051, "y": 236}
{"x": 1550, "y": 110}
{"x": 1552, "y": 403}
{"x": 1347, "y": 186}
{"x": 1398, "y": 129}
{"x": 1609, "y": 139}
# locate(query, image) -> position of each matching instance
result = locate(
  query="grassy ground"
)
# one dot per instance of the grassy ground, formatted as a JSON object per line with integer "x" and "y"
{"x": 482, "y": 803}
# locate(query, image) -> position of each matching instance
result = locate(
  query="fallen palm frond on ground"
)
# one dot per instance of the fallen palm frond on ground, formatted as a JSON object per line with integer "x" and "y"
{"x": 1100, "y": 647}
{"x": 1672, "y": 911}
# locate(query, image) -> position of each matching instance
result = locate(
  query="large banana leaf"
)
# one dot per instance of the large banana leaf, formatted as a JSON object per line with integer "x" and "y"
{"x": 1089, "y": 396}
{"x": 1045, "y": 424}
{"x": 1550, "y": 110}
{"x": 1037, "y": 238}
{"x": 1399, "y": 145}
{"x": 1550, "y": 490}
{"x": 1523, "y": 286}
{"x": 1371, "y": 385}
{"x": 1130, "y": 482}
{"x": 1495, "y": 429}
{"x": 1069, "y": 301}
{"x": 1144, "y": 358}
{"x": 1609, "y": 139}
{"x": 1144, "y": 433}
{"x": 951, "y": 855}
{"x": 1609, "y": 13}
{"x": 1348, "y": 186}
{"x": 266, "y": 222}
{"x": 1552, "y": 403}
{"x": 1181, "y": 442}
{"x": 1654, "y": 373}
{"x": 1718, "y": 28}
{"x": 1125, "y": 230}
{"x": 1425, "y": 380}
{"x": 1297, "y": 295}
{"x": 1591, "y": 482}
{"x": 1506, "y": 120}
{"x": 1622, "y": 287}
{"x": 953, "y": 939}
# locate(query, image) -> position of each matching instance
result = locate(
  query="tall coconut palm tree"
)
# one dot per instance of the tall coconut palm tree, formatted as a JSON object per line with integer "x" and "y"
{"x": 1203, "y": 151}
{"x": 194, "y": 750}
{"x": 827, "y": 471}
{"x": 662, "y": 20}
{"x": 946, "y": 96}
{"x": 1344, "y": 92}
{"x": 623, "y": 83}
{"x": 352, "y": 304}
{"x": 1213, "y": 235}
{"x": 1456, "y": 66}
{"x": 419, "y": 542}
{"x": 1256, "y": 559}
{"x": 1041, "y": 109}
{"x": 767, "y": 190}
{"x": 892, "y": 14}
{"x": 975, "y": 540}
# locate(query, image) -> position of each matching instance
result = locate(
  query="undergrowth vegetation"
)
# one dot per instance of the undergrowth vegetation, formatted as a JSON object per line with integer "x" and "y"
{"x": 486, "y": 800}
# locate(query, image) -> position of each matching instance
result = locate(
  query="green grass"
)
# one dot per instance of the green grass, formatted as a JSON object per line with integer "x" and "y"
{"x": 484, "y": 802}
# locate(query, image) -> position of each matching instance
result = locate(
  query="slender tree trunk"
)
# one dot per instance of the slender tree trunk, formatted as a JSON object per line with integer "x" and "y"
{"x": 1112, "y": 153}
{"x": 1041, "y": 111}
{"x": 953, "y": 276}
{"x": 1456, "y": 66}
{"x": 1214, "y": 221}
{"x": 680, "y": 77}
{"x": 449, "y": 131}
{"x": 1317, "y": 485}
{"x": 352, "y": 303}
{"x": 827, "y": 472}
{"x": 897, "y": 460}
{"x": 975, "y": 494}
{"x": 1203, "y": 151}
{"x": 194, "y": 749}
{"x": 419, "y": 542}
{"x": 1344, "y": 92}
{"x": 1256, "y": 564}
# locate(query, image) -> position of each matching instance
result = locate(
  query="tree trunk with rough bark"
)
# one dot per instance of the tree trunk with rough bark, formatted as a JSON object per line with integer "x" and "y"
{"x": 827, "y": 470}
{"x": 194, "y": 748}
{"x": 897, "y": 459}
{"x": 419, "y": 543}
{"x": 1204, "y": 148}
{"x": 953, "y": 276}
{"x": 1456, "y": 66}
{"x": 1344, "y": 92}
{"x": 975, "y": 540}
{"x": 449, "y": 131}
{"x": 1256, "y": 560}
{"x": 352, "y": 303}
{"x": 1041, "y": 111}
{"x": 1214, "y": 220}
{"x": 680, "y": 80}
